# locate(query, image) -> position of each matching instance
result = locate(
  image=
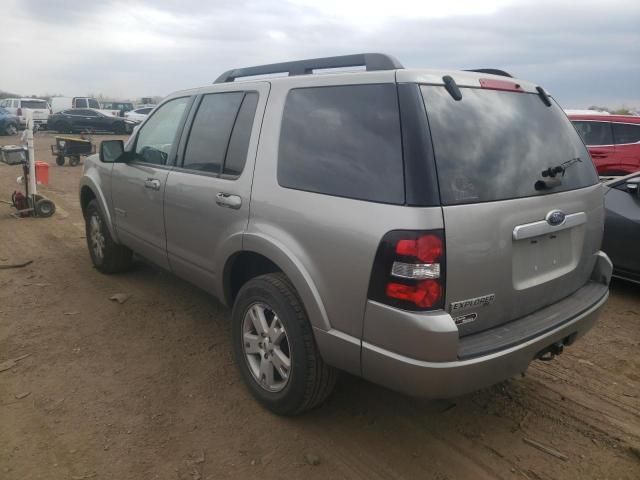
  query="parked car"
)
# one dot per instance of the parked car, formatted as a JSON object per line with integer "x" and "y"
{"x": 59, "y": 104}
{"x": 312, "y": 205}
{"x": 87, "y": 119}
{"x": 40, "y": 110}
{"x": 139, "y": 114}
{"x": 9, "y": 123}
{"x": 120, "y": 107}
{"x": 622, "y": 226}
{"x": 613, "y": 141}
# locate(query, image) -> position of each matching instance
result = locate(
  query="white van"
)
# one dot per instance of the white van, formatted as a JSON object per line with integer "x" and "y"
{"x": 59, "y": 104}
{"x": 18, "y": 106}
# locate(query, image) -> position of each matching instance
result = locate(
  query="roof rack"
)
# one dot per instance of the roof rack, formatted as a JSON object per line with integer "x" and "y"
{"x": 371, "y": 61}
{"x": 491, "y": 71}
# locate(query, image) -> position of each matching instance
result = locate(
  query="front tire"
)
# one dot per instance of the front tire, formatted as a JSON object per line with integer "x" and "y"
{"x": 106, "y": 255}
{"x": 275, "y": 349}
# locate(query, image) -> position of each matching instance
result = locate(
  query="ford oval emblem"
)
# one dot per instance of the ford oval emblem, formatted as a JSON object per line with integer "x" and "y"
{"x": 555, "y": 217}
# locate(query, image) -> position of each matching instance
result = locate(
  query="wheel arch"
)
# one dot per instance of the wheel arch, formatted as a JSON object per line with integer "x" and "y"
{"x": 262, "y": 255}
{"x": 90, "y": 191}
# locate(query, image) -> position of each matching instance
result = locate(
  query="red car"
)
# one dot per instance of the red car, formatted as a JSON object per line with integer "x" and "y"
{"x": 613, "y": 141}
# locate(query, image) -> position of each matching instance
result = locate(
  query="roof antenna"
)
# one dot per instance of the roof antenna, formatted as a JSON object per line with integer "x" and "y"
{"x": 452, "y": 87}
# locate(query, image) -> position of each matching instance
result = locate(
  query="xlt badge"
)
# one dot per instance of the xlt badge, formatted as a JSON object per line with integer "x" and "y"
{"x": 473, "y": 302}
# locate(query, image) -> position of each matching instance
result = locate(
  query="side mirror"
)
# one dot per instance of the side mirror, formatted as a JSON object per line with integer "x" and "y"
{"x": 111, "y": 151}
{"x": 632, "y": 185}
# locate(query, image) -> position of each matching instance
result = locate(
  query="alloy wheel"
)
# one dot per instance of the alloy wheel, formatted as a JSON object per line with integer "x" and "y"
{"x": 266, "y": 347}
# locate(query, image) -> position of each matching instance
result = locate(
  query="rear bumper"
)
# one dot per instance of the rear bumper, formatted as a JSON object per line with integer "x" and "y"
{"x": 466, "y": 373}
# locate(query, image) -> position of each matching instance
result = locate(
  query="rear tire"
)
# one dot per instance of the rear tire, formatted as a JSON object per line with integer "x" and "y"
{"x": 60, "y": 160}
{"x": 309, "y": 381}
{"x": 74, "y": 160}
{"x": 63, "y": 127}
{"x": 106, "y": 255}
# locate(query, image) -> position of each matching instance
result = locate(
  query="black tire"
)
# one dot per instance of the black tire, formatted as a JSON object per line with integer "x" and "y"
{"x": 60, "y": 160}
{"x": 63, "y": 127}
{"x": 311, "y": 380}
{"x": 45, "y": 208}
{"x": 74, "y": 160}
{"x": 11, "y": 129}
{"x": 115, "y": 258}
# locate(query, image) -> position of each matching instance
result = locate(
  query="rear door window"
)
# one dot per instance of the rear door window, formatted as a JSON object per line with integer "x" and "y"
{"x": 594, "y": 133}
{"x": 239, "y": 142}
{"x": 209, "y": 136}
{"x": 493, "y": 145}
{"x": 343, "y": 141}
{"x": 625, "y": 133}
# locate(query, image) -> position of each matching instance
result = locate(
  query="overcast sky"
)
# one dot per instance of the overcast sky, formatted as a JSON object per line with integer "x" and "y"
{"x": 583, "y": 51}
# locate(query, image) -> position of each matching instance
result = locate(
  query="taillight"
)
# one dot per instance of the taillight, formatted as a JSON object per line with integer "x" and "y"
{"x": 409, "y": 270}
{"x": 19, "y": 113}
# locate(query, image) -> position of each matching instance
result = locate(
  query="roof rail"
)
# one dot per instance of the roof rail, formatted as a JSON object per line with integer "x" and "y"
{"x": 371, "y": 61}
{"x": 491, "y": 71}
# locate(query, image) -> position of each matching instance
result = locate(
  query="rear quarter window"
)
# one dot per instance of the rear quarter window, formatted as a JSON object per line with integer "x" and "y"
{"x": 625, "y": 133}
{"x": 343, "y": 141}
{"x": 594, "y": 133}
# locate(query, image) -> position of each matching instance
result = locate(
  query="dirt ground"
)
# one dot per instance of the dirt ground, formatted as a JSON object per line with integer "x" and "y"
{"x": 148, "y": 389}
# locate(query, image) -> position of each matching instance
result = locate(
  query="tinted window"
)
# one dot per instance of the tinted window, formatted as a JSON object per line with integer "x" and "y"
{"x": 343, "y": 141}
{"x": 594, "y": 133}
{"x": 239, "y": 142}
{"x": 626, "y": 133}
{"x": 209, "y": 136}
{"x": 93, "y": 103}
{"x": 81, "y": 103}
{"x": 495, "y": 145}
{"x": 34, "y": 104}
{"x": 144, "y": 111}
{"x": 157, "y": 136}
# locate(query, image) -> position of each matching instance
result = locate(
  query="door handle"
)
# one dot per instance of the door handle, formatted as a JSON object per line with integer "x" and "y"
{"x": 152, "y": 183}
{"x": 228, "y": 200}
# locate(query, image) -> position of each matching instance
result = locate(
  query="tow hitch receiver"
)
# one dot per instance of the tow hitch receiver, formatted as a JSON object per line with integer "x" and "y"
{"x": 551, "y": 351}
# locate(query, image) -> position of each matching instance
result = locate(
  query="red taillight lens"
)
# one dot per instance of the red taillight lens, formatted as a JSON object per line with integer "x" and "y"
{"x": 409, "y": 270}
{"x": 427, "y": 248}
{"x": 425, "y": 294}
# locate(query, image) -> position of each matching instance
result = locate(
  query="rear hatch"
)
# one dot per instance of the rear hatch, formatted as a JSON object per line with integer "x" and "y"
{"x": 522, "y": 206}
{"x": 39, "y": 109}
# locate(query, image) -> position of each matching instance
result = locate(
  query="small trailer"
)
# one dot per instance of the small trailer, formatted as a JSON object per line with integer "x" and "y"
{"x": 72, "y": 147}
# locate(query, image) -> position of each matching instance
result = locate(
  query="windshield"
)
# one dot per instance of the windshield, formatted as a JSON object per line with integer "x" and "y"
{"x": 493, "y": 145}
{"x": 35, "y": 104}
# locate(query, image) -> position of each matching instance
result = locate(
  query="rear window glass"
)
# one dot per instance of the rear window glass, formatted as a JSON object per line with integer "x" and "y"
{"x": 626, "y": 133}
{"x": 594, "y": 133}
{"x": 343, "y": 141}
{"x": 494, "y": 145}
{"x": 34, "y": 104}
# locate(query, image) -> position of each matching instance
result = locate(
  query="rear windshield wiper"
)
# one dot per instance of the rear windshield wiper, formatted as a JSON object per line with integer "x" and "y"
{"x": 551, "y": 174}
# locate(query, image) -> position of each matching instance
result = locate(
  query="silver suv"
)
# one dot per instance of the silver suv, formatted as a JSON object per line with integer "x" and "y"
{"x": 431, "y": 231}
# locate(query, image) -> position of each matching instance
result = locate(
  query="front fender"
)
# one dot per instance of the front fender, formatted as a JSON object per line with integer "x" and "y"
{"x": 93, "y": 179}
{"x": 295, "y": 271}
